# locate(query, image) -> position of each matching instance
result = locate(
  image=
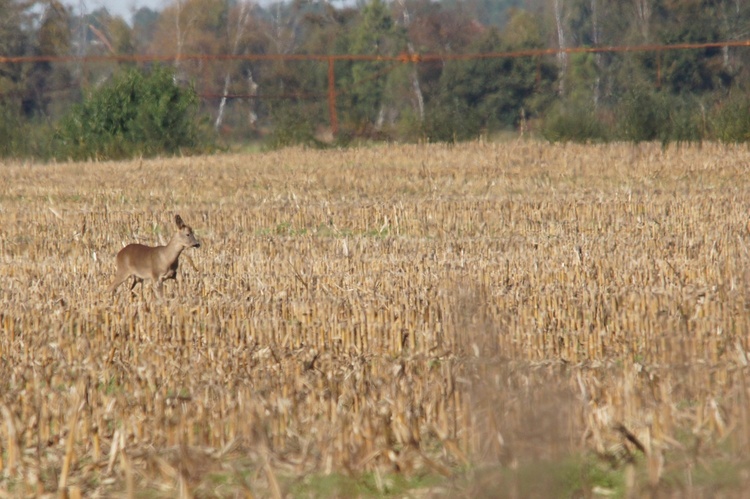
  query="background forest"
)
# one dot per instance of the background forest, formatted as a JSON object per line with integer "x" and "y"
{"x": 240, "y": 72}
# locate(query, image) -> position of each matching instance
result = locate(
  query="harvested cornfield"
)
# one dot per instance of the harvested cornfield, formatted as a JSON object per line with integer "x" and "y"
{"x": 454, "y": 314}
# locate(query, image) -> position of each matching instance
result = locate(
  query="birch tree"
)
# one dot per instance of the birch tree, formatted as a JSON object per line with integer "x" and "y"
{"x": 243, "y": 12}
{"x": 413, "y": 75}
{"x": 562, "y": 56}
{"x": 191, "y": 27}
{"x": 643, "y": 11}
{"x": 596, "y": 38}
{"x": 182, "y": 28}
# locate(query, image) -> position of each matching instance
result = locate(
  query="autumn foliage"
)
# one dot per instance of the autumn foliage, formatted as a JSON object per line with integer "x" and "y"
{"x": 410, "y": 70}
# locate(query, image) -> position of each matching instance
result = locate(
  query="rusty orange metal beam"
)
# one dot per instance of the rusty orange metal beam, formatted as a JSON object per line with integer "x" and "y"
{"x": 404, "y": 58}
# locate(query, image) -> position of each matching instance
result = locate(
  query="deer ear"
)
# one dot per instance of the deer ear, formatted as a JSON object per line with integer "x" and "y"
{"x": 178, "y": 221}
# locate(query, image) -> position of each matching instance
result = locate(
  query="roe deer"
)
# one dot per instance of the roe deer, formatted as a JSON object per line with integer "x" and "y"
{"x": 156, "y": 263}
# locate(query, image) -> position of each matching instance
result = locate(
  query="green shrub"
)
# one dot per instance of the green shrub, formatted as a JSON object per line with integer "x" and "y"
{"x": 684, "y": 121}
{"x": 14, "y": 141}
{"x": 451, "y": 121}
{"x": 639, "y": 116}
{"x": 647, "y": 115}
{"x": 730, "y": 121}
{"x": 292, "y": 125}
{"x": 573, "y": 122}
{"x": 23, "y": 137}
{"x": 137, "y": 114}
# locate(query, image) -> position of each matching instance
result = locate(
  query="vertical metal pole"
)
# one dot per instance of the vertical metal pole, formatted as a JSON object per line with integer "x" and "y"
{"x": 658, "y": 69}
{"x": 332, "y": 97}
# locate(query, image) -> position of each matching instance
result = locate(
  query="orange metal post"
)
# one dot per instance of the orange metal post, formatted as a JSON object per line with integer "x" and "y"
{"x": 658, "y": 70}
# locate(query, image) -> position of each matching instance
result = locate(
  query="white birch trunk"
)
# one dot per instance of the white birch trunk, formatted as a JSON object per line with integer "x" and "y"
{"x": 643, "y": 15}
{"x": 239, "y": 31}
{"x": 597, "y": 55}
{"x": 179, "y": 35}
{"x": 562, "y": 56}
{"x": 252, "y": 90}
{"x": 416, "y": 86}
{"x": 414, "y": 76}
{"x": 223, "y": 102}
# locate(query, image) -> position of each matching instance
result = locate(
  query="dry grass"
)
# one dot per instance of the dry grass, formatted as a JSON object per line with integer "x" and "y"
{"x": 396, "y": 311}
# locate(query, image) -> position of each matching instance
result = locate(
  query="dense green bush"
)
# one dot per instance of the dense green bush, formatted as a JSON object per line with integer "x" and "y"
{"x": 293, "y": 125}
{"x": 640, "y": 116}
{"x": 730, "y": 121}
{"x": 648, "y": 115}
{"x": 12, "y": 129}
{"x": 486, "y": 95}
{"x": 23, "y": 137}
{"x": 573, "y": 122}
{"x": 137, "y": 114}
{"x": 451, "y": 121}
{"x": 685, "y": 120}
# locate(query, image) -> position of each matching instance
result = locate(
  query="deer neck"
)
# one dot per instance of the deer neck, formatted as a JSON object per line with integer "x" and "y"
{"x": 172, "y": 250}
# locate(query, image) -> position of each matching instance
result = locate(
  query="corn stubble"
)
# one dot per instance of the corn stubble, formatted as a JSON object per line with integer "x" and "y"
{"x": 407, "y": 309}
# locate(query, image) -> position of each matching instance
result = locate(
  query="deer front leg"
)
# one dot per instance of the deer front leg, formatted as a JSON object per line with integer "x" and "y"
{"x": 158, "y": 286}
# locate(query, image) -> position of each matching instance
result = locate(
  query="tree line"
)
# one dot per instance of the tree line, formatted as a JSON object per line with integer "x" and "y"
{"x": 677, "y": 95}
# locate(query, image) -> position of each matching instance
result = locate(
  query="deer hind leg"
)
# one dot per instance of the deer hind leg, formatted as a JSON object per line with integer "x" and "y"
{"x": 136, "y": 280}
{"x": 120, "y": 277}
